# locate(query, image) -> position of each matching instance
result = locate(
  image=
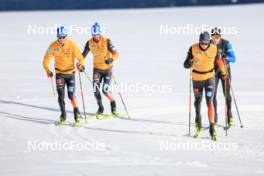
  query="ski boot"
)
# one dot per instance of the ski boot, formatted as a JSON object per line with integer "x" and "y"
{"x": 230, "y": 122}
{"x": 100, "y": 112}
{"x": 62, "y": 119}
{"x": 77, "y": 115}
{"x": 199, "y": 130}
{"x": 113, "y": 107}
{"x": 213, "y": 132}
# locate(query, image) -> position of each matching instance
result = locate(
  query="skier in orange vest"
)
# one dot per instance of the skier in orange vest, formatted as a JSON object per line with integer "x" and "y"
{"x": 64, "y": 51}
{"x": 104, "y": 54}
{"x": 202, "y": 58}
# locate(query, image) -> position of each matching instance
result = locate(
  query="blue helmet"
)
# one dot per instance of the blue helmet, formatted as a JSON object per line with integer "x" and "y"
{"x": 61, "y": 31}
{"x": 96, "y": 29}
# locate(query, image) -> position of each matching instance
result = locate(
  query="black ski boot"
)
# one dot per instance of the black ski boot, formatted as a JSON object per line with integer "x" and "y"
{"x": 212, "y": 132}
{"x": 230, "y": 120}
{"x": 77, "y": 115}
{"x": 113, "y": 107}
{"x": 63, "y": 117}
{"x": 100, "y": 110}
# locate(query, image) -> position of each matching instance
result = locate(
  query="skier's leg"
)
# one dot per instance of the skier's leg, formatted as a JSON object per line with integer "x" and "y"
{"x": 70, "y": 82}
{"x": 107, "y": 76}
{"x": 97, "y": 79}
{"x": 107, "y": 89}
{"x": 60, "y": 85}
{"x": 209, "y": 93}
{"x": 228, "y": 98}
{"x": 198, "y": 94}
{"x": 215, "y": 98}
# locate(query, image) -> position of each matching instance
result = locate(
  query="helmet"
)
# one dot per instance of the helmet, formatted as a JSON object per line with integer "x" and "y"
{"x": 216, "y": 31}
{"x": 61, "y": 32}
{"x": 204, "y": 37}
{"x": 96, "y": 29}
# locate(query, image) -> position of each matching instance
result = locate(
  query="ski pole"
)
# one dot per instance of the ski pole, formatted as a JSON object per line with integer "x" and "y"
{"x": 233, "y": 94}
{"x": 92, "y": 82}
{"x": 80, "y": 79}
{"x": 190, "y": 101}
{"x": 226, "y": 118}
{"x": 88, "y": 77}
{"x": 52, "y": 86}
{"x": 119, "y": 93}
{"x": 225, "y": 87}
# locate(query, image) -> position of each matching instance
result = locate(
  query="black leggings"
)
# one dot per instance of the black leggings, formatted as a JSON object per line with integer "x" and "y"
{"x": 227, "y": 96}
{"x": 69, "y": 81}
{"x": 102, "y": 76}
{"x": 209, "y": 86}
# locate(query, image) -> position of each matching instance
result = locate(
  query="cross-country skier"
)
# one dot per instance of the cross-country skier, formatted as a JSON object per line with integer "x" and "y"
{"x": 104, "y": 54}
{"x": 64, "y": 51}
{"x": 201, "y": 58}
{"x": 228, "y": 56}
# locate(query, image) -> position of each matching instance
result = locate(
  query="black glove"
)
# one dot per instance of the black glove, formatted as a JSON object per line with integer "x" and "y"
{"x": 109, "y": 61}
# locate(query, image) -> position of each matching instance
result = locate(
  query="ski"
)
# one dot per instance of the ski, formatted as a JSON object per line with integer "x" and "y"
{"x": 78, "y": 124}
{"x": 224, "y": 127}
{"x": 105, "y": 116}
{"x": 67, "y": 123}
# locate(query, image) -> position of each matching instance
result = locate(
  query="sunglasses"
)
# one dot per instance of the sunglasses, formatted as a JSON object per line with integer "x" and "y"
{"x": 62, "y": 37}
{"x": 204, "y": 43}
{"x": 216, "y": 36}
{"x": 96, "y": 35}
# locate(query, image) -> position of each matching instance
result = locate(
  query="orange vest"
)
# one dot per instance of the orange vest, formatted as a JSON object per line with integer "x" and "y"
{"x": 203, "y": 62}
{"x": 64, "y": 57}
{"x": 100, "y": 53}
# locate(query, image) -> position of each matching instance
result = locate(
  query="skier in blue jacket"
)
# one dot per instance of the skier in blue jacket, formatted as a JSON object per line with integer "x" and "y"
{"x": 228, "y": 56}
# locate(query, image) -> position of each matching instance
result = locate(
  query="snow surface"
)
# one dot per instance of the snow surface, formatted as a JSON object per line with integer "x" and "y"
{"x": 132, "y": 147}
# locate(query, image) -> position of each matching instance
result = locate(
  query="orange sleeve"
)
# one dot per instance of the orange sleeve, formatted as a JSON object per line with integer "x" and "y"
{"x": 221, "y": 65}
{"x": 47, "y": 58}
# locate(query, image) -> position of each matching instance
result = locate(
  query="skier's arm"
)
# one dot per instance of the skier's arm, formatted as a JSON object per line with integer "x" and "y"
{"x": 47, "y": 58}
{"x": 189, "y": 59}
{"x": 86, "y": 49}
{"x": 221, "y": 65}
{"x": 230, "y": 53}
{"x": 112, "y": 49}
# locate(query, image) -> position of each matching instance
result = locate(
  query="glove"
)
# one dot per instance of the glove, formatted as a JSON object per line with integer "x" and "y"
{"x": 80, "y": 67}
{"x": 225, "y": 77}
{"x": 109, "y": 61}
{"x": 188, "y": 63}
{"x": 49, "y": 74}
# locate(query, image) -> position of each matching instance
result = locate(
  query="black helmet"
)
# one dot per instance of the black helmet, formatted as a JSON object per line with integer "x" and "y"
{"x": 216, "y": 31}
{"x": 204, "y": 37}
